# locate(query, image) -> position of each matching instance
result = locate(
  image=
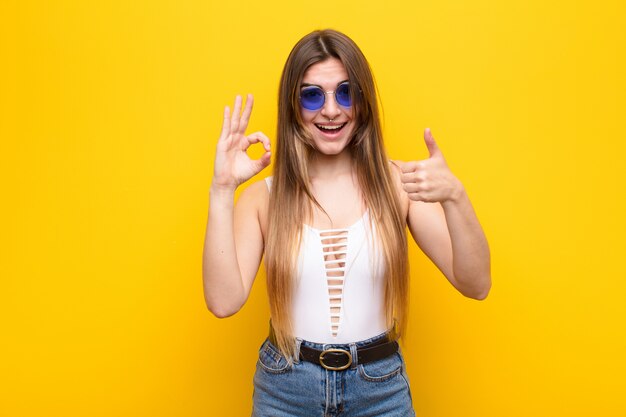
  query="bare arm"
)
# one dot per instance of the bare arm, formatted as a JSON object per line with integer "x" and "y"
{"x": 233, "y": 244}
{"x": 443, "y": 223}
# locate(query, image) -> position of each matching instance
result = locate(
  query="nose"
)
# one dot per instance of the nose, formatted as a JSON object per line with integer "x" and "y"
{"x": 331, "y": 109}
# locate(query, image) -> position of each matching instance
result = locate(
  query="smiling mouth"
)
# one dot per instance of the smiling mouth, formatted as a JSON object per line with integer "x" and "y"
{"x": 331, "y": 129}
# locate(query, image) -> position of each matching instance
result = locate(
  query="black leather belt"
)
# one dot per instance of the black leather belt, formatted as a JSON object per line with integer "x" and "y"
{"x": 339, "y": 357}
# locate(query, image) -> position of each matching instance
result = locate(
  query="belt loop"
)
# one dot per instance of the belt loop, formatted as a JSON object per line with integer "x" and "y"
{"x": 355, "y": 356}
{"x": 297, "y": 352}
{"x": 392, "y": 334}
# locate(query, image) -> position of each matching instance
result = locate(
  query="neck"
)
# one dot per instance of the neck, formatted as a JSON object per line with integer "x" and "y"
{"x": 323, "y": 167}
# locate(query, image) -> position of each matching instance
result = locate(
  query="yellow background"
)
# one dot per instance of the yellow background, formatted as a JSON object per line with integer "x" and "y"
{"x": 110, "y": 112}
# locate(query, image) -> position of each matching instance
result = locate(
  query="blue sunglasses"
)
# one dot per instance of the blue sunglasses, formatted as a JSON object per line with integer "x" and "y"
{"x": 313, "y": 97}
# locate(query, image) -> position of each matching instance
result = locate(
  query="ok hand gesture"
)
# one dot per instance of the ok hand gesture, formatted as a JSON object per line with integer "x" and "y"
{"x": 430, "y": 180}
{"x": 233, "y": 166}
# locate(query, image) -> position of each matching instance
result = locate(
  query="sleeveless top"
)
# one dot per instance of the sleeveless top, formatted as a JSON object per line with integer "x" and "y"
{"x": 339, "y": 289}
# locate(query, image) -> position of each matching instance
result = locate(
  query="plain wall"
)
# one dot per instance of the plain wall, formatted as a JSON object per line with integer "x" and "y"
{"x": 110, "y": 112}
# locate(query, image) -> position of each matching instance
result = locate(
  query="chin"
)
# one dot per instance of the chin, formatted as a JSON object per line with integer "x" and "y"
{"x": 334, "y": 148}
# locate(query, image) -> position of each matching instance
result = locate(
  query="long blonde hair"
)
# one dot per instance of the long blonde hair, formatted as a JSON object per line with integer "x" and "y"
{"x": 291, "y": 199}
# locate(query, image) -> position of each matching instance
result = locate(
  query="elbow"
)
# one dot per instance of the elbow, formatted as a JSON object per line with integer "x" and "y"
{"x": 479, "y": 293}
{"x": 223, "y": 302}
{"x": 480, "y": 296}
{"x": 475, "y": 288}
{"x": 222, "y": 307}
{"x": 222, "y": 311}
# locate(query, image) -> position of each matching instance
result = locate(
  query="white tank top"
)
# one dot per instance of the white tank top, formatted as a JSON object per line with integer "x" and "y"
{"x": 339, "y": 288}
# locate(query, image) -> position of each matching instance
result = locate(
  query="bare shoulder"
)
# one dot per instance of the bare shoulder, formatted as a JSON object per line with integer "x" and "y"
{"x": 256, "y": 190}
{"x": 396, "y": 168}
{"x": 396, "y": 174}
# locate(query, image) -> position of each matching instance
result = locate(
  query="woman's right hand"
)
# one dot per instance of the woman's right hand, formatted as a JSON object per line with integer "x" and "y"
{"x": 233, "y": 166}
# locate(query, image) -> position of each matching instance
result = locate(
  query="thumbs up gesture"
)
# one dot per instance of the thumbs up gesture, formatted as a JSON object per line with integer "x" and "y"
{"x": 430, "y": 180}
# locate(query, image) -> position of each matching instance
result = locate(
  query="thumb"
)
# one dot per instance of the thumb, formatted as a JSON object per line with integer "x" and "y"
{"x": 433, "y": 149}
{"x": 264, "y": 161}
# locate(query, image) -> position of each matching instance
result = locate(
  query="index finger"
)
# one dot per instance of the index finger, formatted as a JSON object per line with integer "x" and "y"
{"x": 225, "y": 123}
{"x": 411, "y": 166}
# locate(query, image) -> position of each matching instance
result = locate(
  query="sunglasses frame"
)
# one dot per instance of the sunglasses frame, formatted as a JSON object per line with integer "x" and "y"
{"x": 333, "y": 92}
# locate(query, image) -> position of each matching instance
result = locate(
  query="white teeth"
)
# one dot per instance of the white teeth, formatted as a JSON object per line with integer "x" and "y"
{"x": 330, "y": 127}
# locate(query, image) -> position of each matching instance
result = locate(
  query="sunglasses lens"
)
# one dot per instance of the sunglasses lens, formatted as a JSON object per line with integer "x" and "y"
{"x": 343, "y": 95}
{"x": 312, "y": 98}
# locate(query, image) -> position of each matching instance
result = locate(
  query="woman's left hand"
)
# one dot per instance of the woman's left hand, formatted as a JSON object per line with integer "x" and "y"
{"x": 430, "y": 180}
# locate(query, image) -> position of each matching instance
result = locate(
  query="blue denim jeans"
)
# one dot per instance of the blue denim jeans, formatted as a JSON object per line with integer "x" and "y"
{"x": 379, "y": 388}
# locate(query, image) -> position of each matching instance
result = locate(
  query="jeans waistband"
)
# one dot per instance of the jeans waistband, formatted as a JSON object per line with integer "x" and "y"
{"x": 389, "y": 335}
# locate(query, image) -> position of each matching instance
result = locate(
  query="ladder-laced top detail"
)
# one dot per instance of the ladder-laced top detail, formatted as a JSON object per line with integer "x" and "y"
{"x": 335, "y": 249}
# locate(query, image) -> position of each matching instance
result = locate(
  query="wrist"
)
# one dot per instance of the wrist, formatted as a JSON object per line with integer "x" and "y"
{"x": 457, "y": 193}
{"x": 218, "y": 190}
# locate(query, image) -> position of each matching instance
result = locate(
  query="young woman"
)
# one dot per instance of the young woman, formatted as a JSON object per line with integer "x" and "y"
{"x": 331, "y": 223}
